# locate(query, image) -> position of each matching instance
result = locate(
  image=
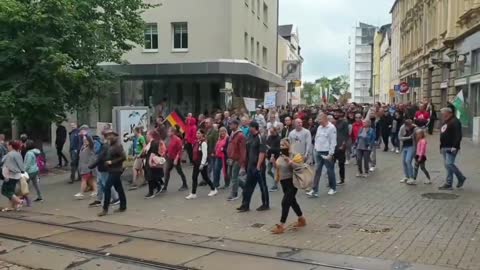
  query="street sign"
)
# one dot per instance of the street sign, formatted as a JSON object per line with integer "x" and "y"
{"x": 291, "y": 70}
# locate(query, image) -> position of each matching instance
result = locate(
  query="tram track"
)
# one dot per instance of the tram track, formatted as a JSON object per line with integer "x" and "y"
{"x": 42, "y": 241}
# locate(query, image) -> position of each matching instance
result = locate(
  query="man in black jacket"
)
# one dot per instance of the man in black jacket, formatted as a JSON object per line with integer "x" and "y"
{"x": 61, "y": 138}
{"x": 102, "y": 176}
{"x": 450, "y": 140}
{"x": 114, "y": 163}
{"x": 385, "y": 123}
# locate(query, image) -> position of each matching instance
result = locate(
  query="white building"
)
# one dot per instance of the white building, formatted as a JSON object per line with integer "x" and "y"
{"x": 288, "y": 50}
{"x": 195, "y": 51}
{"x": 360, "y": 61}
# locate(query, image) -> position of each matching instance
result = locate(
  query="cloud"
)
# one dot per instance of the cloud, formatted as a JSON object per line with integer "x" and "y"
{"x": 324, "y": 27}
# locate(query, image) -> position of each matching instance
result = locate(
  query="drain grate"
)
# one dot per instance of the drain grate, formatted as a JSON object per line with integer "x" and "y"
{"x": 440, "y": 196}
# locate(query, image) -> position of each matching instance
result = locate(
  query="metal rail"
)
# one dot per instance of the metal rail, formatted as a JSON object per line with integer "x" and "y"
{"x": 155, "y": 264}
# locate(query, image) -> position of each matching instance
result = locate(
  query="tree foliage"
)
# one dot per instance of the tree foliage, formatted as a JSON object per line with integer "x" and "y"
{"x": 312, "y": 92}
{"x": 50, "y": 51}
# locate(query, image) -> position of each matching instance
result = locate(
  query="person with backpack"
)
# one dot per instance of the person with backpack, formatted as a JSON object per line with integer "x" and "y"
{"x": 139, "y": 143}
{"x": 221, "y": 159}
{"x": 200, "y": 154}
{"x": 32, "y": 169}
{"x": 102, "y": 175}
{"x": 85, "y": 158}
{"x": 284, "y": 168}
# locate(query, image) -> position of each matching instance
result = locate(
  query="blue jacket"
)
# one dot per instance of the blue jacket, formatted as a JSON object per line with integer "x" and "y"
{"x": 30, "y": 162}
{"x": 371, "y": 137}
{"x": 75, "y": 140}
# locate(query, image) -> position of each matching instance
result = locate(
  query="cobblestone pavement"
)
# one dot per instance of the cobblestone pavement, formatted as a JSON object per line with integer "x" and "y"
{"x": 9, "y": 266}
{"x": 377, "y": 217}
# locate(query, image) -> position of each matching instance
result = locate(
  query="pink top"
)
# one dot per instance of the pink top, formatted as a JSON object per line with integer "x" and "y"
{"x": 422, "y": 148}
{"x": 220, "y": 147}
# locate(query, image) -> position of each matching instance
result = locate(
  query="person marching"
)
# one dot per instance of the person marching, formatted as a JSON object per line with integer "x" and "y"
{"x": 420, "y": 158}
{"x": 200, "y": 154}
{"x": 85, "y": 158}
{"x": 174, "y": 159}
{"x": 156, "y": 147}
{"x": 139, "y": 143}
{"x": 237, "y": 155}
{"x": 114, "y": 163}
{"x": 220, "y": 160}
{"x": 32, "y": 169}
{"x": 284, "y": 167}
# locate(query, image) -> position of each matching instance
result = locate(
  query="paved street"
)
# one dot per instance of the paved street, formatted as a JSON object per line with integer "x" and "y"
{"x": 376, "y": 218}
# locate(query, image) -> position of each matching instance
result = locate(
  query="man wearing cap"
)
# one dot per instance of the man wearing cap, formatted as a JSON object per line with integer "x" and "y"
{"x": 256, "y": 151}
{"x": 450, "y": 140}
{"x": 114, "y": 163}
{"x": 236, "y": 157}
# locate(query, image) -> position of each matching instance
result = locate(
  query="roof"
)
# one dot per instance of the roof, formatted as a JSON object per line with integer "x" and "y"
{"x": 285, "y": 30}
{"x": 385, "y": 29}
{"x": 393, "y": 7}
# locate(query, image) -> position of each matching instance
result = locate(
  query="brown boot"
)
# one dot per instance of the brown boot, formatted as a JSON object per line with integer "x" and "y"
{"x": 279, "y": 229}
{"x": 302, "y": 222}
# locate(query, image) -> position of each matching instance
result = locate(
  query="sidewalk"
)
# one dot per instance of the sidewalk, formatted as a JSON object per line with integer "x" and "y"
{"x": 377, "y": 217}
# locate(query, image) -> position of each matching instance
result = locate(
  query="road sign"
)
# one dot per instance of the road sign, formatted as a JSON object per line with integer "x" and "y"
{"x": 291, "y": 70}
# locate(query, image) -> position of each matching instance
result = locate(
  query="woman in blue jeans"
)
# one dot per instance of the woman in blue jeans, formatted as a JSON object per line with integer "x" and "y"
{"x": 407, "y": 137}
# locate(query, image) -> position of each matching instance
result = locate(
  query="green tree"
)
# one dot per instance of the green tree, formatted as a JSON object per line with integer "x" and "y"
{"x": 50, "y": 51}
{"x": 339, "y": 85}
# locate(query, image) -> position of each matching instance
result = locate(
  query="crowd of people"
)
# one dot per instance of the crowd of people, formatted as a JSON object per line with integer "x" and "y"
{"x": 235, "y": 151}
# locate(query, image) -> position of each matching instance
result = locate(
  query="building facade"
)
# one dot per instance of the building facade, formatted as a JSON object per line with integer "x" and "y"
{"x": 288, "y": 50}
{"x": 386, "y": 88}
{"x": 395, "y": 49}
{"x": 360, "y": 62}
{"x": 439, "y": 50}
{"x": 202, "y": 57}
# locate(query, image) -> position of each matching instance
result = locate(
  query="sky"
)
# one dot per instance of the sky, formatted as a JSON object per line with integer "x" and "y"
{"x": 324, "y": 28}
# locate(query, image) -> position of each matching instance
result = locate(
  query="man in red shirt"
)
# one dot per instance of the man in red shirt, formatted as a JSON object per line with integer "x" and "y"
{"x": 422, "y": 117}
{"x": 174, "y": 158}
{"x": 236, "y": 157}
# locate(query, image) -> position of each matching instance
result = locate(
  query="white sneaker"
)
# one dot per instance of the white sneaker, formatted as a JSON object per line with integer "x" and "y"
{"x": 213, "y": 193}
{"x": 427, "y": 182}
{"x": 392, "y": 150}
{"x": 94, "y": 194}
{"x": 332, "y": 192}
{"x": 411, "y": 182}
{"x": 347, "y": 162}
{"x": 397, "y": 151}
{"x": 372, "y": 169}
{"x": 79, "y": 195}
{"x": 310, "y": 193}
{"x": 191, "y": 197}
{"x": 404, "y": 180}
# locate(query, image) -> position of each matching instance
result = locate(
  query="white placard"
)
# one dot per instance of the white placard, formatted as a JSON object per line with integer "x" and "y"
{"x": 250, "y": 104}
{"x": 270, "y": 100}
{"x": 127, "y": 119}
{"x": 101, "y": 126}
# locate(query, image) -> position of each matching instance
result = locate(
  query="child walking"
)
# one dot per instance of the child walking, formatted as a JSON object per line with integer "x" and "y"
{"x": 420, "y": 158}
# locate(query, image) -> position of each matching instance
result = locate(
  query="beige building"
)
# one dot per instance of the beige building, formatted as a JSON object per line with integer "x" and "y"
{"x": 199, "y": 55}
{"x": 288, "y": 50}
{"x": 382, "y": 64}
{"x": 439, "y": 50}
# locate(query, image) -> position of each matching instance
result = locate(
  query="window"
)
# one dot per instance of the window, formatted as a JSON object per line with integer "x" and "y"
{"x": 476, "y": 61}
{"x": 245, "y": 45}
{"x": 252, "y": 49}
{"x": 180, "y": 36}
{"x": 246, "y": 3}
{"x": 151, "y": 37}
{"x": 258, "y": 53}
{"x": 265, "y": 14}
{"x": 265, "y": 55}
{"x": 253, "y": 6}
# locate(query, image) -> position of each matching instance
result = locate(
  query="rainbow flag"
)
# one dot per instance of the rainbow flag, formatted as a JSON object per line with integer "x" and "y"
{"x": 175, "y": 119}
